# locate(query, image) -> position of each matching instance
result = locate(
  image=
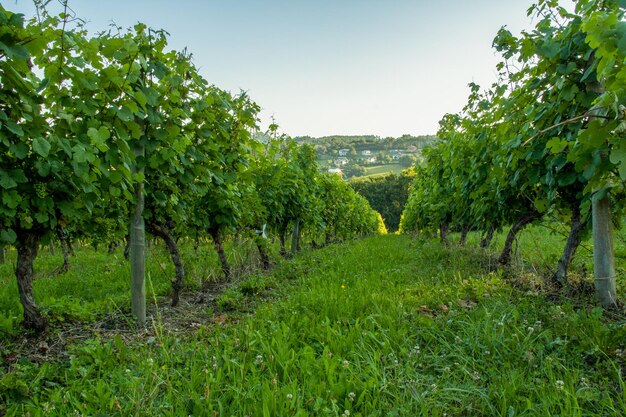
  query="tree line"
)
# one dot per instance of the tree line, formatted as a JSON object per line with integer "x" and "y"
{"x": 328, "y": 144}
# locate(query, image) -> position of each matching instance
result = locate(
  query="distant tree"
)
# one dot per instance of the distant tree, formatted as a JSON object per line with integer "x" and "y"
{"x": 407, "y": 160}
{"x": 387, "y": 195}
{"x": 354, "y": 170}
{"x": 383, "y": 158}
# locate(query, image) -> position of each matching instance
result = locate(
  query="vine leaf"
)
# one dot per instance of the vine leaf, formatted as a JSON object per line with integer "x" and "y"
{"x": 8, "y": 235}
{"x": 6, "y": 181}
{"x": 41, "y": 146}
{"x": 618, "y": 157}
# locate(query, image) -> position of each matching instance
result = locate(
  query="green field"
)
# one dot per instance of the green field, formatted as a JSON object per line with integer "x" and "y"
{"x": 384, "y": 169}
{"x": 391, "y": 325}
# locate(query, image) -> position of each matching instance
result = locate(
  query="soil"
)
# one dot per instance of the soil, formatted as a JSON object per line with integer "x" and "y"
{"x": 196, "y": 309}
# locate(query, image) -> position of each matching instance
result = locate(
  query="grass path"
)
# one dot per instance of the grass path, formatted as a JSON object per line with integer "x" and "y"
{"x": 386, "y": 326}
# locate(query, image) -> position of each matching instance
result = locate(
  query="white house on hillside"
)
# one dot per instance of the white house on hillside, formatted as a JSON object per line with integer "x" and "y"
{"x": 335, "y": 171}
{"x": 366, "y": 152}
{"x": 344, "y": 152}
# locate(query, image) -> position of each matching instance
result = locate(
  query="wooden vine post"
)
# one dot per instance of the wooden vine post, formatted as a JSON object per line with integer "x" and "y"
{"x": 603, "y": 256}
{"x": 603, "y": 253}
{"x": 137, "y": 247}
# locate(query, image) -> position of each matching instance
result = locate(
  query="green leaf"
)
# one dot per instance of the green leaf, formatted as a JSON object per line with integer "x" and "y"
{"x": 618, "y": 157}
{"x": 152, "y": 96}
{"x": 556, "y": 145}
{"x": 18, "y": 175}
{"x": 139, "y": 177}
{"x": 11, "y": 199}
{"x": 140, "y": 98}
{"x": 549, "y": 49}
{"x": 43, "y": 167}
{"x": 82, "y": 154}
{"x": 41, "y": 217}
{"x": 14, "y": 51}
{"x": 115, "y": 177}
{"x": 590, "y": 170}
{"x": 595, "y": 135}
{"x": 20, "y": 150}
{"x": 132, "y": 106}
{"x": 115, "y": 192}
{"x": 567, "y": 179}
{"x": 125, "y": 114}
{"x": 569, "y": 92}
{"x": 65, "y": 145}
{"x": 160, "y": 197}
{"x": 6, "y": 181}
{"x": 599, "y": 194}
{"x": 8, "y": 235}
{"x": 41, "y": 146}
{"x": 621, "y": 35}
{"x": 14, "y": 128}
{"x": 99, "y": 137}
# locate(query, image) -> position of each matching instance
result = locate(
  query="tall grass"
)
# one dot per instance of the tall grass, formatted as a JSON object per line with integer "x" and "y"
{"x": 386, "y": 326}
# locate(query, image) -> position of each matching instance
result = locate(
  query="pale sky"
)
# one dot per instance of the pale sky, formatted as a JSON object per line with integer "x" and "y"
{"x": 323, "y": 67}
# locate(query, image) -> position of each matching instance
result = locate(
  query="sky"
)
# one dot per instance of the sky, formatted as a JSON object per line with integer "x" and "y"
{"x": 330, "y": 67}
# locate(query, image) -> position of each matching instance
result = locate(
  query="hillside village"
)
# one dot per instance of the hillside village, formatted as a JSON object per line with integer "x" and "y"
{"x": 360, "y": 156}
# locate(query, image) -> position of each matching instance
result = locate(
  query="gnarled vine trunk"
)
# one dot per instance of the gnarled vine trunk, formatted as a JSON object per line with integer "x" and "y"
{"x": 70, "y": 247}
{"x": 505, "y": 256}
{"x": 219, "y": 248}
{"x": 27, "y": 247}
{"x": 486, "y": 240}
{"x": 444, "y": 228}
{"x": 170, "y": 243}
{"x": 196, "y": 242}
{"x": 112, "y": 246}
{"x": 327, "y": 239}
{"x": 573, "y": 240}
{"x": 282, "y": 238}
{"x": 65, "y": 248}
{"x": 265, "y": 259}
{"x": 295, "y": 240}
{"x": 464, "y": 232}
{"x": 127, "y": 246}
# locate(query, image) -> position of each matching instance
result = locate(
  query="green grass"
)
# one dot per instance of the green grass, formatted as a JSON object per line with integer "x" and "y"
{"x": 539, "y": 248}
{"x": 385, "y": 326}
{"x": 384, "y": 169}
{"x": 98, "y": 282}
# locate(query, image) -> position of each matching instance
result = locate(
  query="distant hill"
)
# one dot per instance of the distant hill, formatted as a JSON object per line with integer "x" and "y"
{"x": 367, "y": 155}
{"x": 328, "y": 144}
